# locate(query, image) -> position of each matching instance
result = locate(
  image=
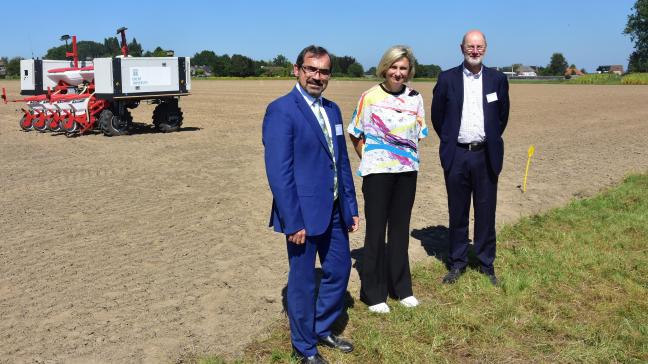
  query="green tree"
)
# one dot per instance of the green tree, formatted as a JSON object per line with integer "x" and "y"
{"x": 55, "y": 53}
{"x": 13, "y": 66}
{"x": 281, "y": 61}
{"x": 134, "y": 48}
{"x": 427, "y": 71}
{"x": 242, "y": 66}
{"x": 90, "y": 50}
{"x": 371, "y": 71}
{"x": 222, "y": 65}
{"x": 86, "y": 49}
{"x": 157, "y": 52}
{"x": 637, "y": 29}
{"x": 111, "y": 47}
{"x": 355, "y": 70}
{"x": 340, "y": 65}
{"x": 204, "y": 58}
{"x": 557, "y": 65}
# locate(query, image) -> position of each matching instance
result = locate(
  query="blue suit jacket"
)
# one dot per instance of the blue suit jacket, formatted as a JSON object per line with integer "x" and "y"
{"x": 447, "y": 105}
{"x": 299, "y": 166}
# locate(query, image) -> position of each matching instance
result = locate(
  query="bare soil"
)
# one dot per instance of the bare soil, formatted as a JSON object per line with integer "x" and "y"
{"x": 146, "y": 247}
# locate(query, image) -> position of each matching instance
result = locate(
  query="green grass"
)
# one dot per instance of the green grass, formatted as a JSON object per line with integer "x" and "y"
{"x": 635, "y": 79}
{"x": 574, "y": 288}
{"x": 538, "y": 81}
{"x": 597, "y": 79}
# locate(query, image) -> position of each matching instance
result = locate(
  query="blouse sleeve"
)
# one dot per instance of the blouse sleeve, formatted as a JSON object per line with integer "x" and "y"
{"x": 420, "y": 118}
{"x": 356, "y": 127}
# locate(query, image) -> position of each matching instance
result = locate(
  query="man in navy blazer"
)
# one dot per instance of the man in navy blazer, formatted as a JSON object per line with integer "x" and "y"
{"x": 470, "y": 109}
{"x": 314, "y": 202}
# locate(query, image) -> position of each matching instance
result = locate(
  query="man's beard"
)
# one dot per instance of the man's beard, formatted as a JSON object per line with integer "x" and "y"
{"x": 475, "y": 62}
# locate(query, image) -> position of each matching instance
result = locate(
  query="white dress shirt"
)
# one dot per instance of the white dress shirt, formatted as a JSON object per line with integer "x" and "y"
{"x": 472, "y": 113}
{"x": 311, "y": 101}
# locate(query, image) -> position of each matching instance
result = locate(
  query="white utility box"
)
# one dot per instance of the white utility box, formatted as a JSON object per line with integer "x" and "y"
{"x": 141, "y": 77}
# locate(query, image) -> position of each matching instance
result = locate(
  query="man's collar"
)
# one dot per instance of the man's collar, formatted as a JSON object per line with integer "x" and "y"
{"x": 469, "y": 73}
{"x": 309, "y": 99}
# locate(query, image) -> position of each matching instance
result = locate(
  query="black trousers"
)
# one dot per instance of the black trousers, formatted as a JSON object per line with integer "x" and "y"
{"x": 470, "y": 178}
{"x": 385, "y": 270}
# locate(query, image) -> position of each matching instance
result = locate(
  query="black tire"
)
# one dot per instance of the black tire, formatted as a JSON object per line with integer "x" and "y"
{"x": 42, "y": 128}
{"x": 53, "y": 129}
{"x": 113, "y": 125}
{"x": 167, "y": 117}
{"x": 74, "y": 127}
{"x": 25, "y": 127}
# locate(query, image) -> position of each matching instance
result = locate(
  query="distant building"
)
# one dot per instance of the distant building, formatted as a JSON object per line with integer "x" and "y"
{"x": 3, "y": 68}
{"x": 573, "y": 72}
{"x": 615, "y": 68}
{"x": 526, "y": 71}
{"x": 518, "y": 70}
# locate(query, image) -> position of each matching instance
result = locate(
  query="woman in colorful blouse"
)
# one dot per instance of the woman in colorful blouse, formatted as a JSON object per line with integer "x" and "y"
{"x": 385, "y": 130}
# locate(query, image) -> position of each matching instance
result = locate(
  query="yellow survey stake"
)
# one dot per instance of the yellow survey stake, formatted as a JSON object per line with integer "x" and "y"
{"x": 526, "y": 171}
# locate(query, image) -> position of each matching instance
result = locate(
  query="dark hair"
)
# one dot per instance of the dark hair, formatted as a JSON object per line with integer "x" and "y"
{"x": 315, "y": 50}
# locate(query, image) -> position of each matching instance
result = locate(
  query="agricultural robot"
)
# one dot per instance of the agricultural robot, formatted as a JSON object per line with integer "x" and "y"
{"x": 76, "y": 97}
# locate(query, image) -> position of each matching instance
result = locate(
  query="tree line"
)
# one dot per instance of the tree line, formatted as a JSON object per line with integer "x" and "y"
{"x": 224, "y": 65}
{"x": 242, "y": 66}
{"x": 239, "y": 65}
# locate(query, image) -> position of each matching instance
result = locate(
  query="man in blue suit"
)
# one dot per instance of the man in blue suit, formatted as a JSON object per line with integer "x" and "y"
{"x": 470, "y": 109}
{"x": 314, "y": 202}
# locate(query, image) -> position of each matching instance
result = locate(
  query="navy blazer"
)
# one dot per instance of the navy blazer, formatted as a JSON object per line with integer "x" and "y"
{"x": 300, "y": 169}
{"x": 447, "y": 105}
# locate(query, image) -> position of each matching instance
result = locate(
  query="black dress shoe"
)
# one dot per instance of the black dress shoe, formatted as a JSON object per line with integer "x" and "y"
{"x": 452, "y": 276}
{"x": 335, "y": 342}
{"x": 491, "y": 276}
{"x": 493, "y": 279}
{"x": 315, "y": 359}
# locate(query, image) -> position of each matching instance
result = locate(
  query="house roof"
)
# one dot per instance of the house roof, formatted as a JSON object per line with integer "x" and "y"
{"x": 573, "y": 71}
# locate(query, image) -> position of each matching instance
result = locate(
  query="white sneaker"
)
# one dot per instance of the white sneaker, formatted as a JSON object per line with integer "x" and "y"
{"x": 410, "y": 301}
{"x": 379, "y": 308}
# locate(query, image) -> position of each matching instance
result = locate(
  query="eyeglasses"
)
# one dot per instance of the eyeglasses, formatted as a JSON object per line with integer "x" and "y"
{"x": 478, "y": 48}
{"x": 311, "y": 71}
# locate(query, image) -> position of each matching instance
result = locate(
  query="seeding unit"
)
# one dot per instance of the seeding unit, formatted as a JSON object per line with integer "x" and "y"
{"x": 75, "y": 96}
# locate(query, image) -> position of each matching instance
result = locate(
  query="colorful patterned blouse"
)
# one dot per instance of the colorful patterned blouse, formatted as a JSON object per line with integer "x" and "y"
{"x": 391, "y": 126}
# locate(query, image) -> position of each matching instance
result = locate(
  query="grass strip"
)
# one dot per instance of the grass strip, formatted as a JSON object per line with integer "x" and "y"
{"x": 574, "y": 288}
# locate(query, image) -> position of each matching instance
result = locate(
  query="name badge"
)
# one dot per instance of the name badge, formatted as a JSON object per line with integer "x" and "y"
{"x": 491, "y": 97}
{"x": 338, "y": 129}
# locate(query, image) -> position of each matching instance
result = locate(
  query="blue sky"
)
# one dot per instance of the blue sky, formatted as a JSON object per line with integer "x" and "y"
{"x": 587, "y": 33}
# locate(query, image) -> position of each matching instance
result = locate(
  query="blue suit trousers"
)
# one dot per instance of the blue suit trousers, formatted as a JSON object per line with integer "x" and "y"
{"x": 312, "y": 313}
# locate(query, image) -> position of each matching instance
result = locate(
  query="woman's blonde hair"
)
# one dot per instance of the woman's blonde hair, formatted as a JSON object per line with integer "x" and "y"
{"x": 392, "y": 55}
